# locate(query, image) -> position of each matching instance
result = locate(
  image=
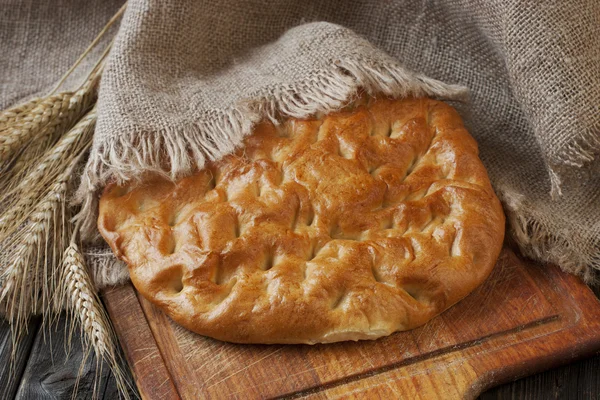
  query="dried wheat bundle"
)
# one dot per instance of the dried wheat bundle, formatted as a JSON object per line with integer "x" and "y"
{"x": 29, "y": 281}
{"x": 29, "y": 133}
{"x": 47, "y": 273}
{"x": 19, "y": 201}
{"x": 43, "y": 144}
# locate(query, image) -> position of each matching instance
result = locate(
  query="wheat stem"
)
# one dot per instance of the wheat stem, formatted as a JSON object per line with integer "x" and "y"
{"x": 90, "y": 47}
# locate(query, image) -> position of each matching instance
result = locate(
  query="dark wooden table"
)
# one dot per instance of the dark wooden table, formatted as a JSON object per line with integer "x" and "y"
{"x": 42, "y": 370}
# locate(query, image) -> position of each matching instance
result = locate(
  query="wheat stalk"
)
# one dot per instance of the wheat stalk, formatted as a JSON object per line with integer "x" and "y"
{"x": 49, "y": 117}
{"x": 85, "y": 306}
{"x": 20, "y": 201}
{"x": 22, "y": 277}
{"x": 32, "y": 273}
{"x": 9, "y": 116}
{"x": 33, "y": 123}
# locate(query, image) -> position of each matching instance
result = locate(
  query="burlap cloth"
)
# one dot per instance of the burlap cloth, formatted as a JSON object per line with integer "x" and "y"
{"x": 186, "y": 80}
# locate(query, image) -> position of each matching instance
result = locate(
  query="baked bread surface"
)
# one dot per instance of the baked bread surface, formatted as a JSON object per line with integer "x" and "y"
{"x": 352, "y": 226}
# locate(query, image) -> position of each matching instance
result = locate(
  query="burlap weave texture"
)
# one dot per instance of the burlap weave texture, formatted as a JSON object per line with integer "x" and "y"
{"x": 187, "y": 79}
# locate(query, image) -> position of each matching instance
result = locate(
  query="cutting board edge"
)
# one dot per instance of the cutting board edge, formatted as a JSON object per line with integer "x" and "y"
{"x": 555, "y": 356}
{"x": 152, "y": 360}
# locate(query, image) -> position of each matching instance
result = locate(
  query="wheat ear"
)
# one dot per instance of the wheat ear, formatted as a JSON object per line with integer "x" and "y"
{"x": 9, "y": 116}
{"x": 20, "y": 201}
{"x": 85, "y": 306}
{"x": 50, "y": 116}
{"x": 30, "y": 279}
{"x": 33, "y": 123}
{"x": 24, "y": 277}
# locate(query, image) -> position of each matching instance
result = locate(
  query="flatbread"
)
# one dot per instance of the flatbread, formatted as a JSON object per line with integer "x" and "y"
{"x": 352, "y": 226}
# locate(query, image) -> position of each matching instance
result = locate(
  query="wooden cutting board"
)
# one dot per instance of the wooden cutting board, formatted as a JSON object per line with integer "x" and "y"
{"x": 524, "y": 319}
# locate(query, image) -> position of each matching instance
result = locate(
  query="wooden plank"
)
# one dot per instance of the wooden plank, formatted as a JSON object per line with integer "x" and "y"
{"x": 578, "y": 380}
{"x": 522, "y": 320}
{"x": 153, "y": 379}
{"x": 52, "y": 372}
{"x": 13, "y": 365}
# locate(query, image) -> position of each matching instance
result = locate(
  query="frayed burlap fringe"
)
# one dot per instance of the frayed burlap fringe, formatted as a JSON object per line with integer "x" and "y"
{"x": 579, "y": 153}
{"x": 106, "y": 269}
{"x": 177, "y": 152}
{"x": 539, "y": 240}
{"x": 576, "y": 154}
{"x": 181, "y": 151}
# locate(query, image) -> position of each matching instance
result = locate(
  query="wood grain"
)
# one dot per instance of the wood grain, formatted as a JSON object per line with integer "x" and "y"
{"x": 13, "y": 365}
{"x": 52, "y": 371}
{"x": 576, "y": 381}
{"x": 522, "y": 320}
{"x": 152, "y": 377}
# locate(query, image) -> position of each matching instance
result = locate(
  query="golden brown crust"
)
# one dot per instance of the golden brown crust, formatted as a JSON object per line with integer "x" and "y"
{"x": 350, "y": 227}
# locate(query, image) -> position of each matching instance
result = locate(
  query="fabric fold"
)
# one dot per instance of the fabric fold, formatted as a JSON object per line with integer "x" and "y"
{"x": 186, "y": 81}
{"x": 208, "y": 118}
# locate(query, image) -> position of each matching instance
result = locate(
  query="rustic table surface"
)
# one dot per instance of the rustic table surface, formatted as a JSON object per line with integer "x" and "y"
{"x": 42, "y": 370}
